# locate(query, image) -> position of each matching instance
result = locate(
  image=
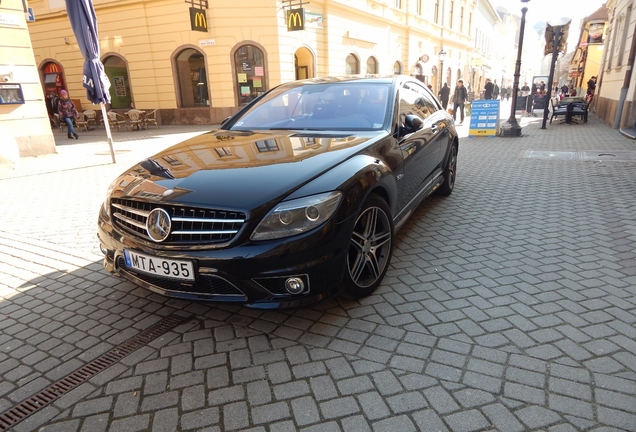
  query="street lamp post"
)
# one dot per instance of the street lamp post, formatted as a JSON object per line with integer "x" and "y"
{"x": 442, "y": 56}
{"x": 512, "y": 127}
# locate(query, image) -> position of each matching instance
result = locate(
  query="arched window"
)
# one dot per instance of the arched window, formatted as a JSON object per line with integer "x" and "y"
{"x": 448, "y": 76}
{"x": 193, "y": 78}
{"x": 372, "y": 65}
{"x": 397, "y": 68}
{"x": 249, "y": 68}
{"x": 353, "y": 65}
{"x": 117, "y": 71}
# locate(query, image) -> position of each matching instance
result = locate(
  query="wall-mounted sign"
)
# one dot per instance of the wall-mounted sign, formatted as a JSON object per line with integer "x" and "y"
{"x": 595, "y": 35}
{"x": 313, "y": 20}
{"x": 198, "y": 20}
{"x": 9, "y": 19}
{"x": 295, "y": 19}
{"x": 11, "y": 94}
{"x": 207, "y": 42}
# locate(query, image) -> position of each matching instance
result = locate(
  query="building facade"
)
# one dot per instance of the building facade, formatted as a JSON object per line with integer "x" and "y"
{"x": 25, "y": 129}
{"x": 616, "y": 85}
{"x": 199, "y": 61}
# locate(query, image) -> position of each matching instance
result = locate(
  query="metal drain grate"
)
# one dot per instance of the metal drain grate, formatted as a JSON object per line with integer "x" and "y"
{"x": 38, "y": 401}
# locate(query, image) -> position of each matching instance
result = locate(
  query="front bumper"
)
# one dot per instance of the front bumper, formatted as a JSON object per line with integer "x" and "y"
{"x": 254, "y": 274}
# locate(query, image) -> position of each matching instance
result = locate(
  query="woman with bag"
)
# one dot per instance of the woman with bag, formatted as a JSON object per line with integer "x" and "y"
{"x": 67, "y": 111}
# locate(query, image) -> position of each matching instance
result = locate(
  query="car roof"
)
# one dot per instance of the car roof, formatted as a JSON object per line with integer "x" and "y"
{"x": 385, "y": 79}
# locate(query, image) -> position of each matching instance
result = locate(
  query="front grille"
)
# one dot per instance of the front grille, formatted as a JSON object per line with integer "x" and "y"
{"x": 190, "y": 225}
{"x": 207, "y": 284}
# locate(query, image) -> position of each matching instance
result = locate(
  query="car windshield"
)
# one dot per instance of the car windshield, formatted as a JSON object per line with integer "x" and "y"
{"x": 325, "y": 106}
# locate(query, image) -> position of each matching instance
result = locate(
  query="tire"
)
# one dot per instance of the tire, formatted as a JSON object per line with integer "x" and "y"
{"x": 449, "y": 174}
{"x": 370, "y": 248}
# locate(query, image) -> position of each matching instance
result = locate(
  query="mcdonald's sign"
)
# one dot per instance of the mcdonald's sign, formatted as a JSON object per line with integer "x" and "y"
{"x": 51, "y": 68}
{"x": 198, "y": 20}
{"x": 296, "y": 19}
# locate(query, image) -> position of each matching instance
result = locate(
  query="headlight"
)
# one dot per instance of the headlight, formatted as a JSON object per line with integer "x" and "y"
{"x": 297, "y": 216}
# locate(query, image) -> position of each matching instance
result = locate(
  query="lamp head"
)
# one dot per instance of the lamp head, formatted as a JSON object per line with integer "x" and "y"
{"x": 442, "y": 54}
{"x": 524, "y": 1}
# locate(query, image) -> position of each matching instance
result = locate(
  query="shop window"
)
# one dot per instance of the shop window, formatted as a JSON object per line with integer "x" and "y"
{"x": 353, "y": 65}
{"x": 372, "y": 65}
{"x": 249, "y": 73}
{"x": 193, "y": 79}
{"x": 116, "y": 69}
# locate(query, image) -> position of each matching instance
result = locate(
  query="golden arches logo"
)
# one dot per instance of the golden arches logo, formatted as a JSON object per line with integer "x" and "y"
{"x": 52, "y": 68}
{"x": 200, "y": 21}
{"x": 295, "y": 19}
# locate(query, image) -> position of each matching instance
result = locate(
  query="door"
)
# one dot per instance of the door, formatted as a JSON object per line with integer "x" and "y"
{"x": 421, "y": 139}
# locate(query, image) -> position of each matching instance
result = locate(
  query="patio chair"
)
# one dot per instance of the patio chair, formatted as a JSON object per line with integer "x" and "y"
{"x": 82, "y": 122}
{"x": 136, "y": 119}
{"x": 557, "y": 109}
{"x": 116, "y": 120}
{"x": 151, "y": 118}
{"x": 91, "y": 117}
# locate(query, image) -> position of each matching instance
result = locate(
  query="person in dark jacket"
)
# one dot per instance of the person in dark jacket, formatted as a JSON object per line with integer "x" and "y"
{"x": 459, "y": 97}
{"x": 67, "y": 111}
{"x": 444, "y": 94}
{"x": 488, "y": 89}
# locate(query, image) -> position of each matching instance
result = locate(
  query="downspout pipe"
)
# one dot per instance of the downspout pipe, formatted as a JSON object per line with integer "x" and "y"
{"x": 626, "y": 83}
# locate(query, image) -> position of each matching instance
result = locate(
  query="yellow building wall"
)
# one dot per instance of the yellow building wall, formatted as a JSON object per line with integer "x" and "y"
{"x": 149, "y": 33}
{"x": 25, "y": 129}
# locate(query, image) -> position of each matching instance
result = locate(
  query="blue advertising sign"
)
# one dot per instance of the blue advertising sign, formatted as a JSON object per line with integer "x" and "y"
{"x": 484, "y": 118}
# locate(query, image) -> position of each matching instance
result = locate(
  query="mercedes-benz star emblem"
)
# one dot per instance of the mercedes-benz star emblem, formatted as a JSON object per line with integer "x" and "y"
{"x": 158, "y": 225}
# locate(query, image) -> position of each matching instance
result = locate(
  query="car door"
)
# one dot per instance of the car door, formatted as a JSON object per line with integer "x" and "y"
{"x": 417, "y": 138}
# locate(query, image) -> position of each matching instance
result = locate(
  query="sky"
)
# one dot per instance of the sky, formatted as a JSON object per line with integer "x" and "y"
{"x": 548, "y": 10}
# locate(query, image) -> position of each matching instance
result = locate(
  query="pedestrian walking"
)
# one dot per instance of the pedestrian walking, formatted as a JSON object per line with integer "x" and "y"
{"x": 488, "y": 89}
{"x": 444, "y": 94}
{"x": 459, "y": 98}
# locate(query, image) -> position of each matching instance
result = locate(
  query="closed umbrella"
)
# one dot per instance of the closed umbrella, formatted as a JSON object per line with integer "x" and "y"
{"x": 81, "y": 14}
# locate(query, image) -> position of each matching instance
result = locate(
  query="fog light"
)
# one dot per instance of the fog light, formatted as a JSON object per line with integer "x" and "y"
{"x": 103, "y": 249}
{"x": 294, "y": 285}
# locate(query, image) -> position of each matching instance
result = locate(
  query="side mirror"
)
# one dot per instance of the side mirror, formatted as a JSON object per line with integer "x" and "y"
{"x": 412, "y": 123}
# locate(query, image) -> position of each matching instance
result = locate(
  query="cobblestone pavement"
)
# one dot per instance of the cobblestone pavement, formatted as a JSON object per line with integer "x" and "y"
{"x": 509, "y": 306}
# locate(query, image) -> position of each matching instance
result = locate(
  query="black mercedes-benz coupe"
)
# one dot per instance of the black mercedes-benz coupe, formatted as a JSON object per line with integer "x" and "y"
{"x": 296, "y": 197}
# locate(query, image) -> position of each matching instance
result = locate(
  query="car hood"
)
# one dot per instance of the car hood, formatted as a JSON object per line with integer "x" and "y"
{"x": 238, "y": 170}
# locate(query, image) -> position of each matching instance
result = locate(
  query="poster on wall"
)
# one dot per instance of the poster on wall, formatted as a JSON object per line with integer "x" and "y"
{"x": 242, "y": 78}
{"x": 245, "y": 90}
{"x": 120, "y": 88}
{"x": 258, "y": 71}
{"x": 257, "y": 82}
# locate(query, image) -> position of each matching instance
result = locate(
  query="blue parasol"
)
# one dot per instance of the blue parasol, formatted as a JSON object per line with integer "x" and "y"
{"x": 81, "y": 14}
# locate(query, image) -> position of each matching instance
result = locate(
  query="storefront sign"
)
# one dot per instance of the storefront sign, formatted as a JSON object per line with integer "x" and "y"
{"x": 295, "y": 19}
{"x": 207, "y": 42}
{"x": 198, "y": 20}
{"x": 484, "y": 118}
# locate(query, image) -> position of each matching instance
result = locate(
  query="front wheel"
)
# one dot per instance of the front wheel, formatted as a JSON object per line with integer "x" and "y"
{"x": 369, "y": 248}
{"x": 449, "y": 173}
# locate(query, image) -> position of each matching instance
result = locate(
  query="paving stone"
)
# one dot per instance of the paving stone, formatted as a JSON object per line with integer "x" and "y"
{"x": 471, "y": 420}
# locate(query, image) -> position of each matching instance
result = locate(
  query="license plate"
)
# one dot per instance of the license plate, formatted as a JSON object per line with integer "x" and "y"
{"x": 162, "y": 267}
